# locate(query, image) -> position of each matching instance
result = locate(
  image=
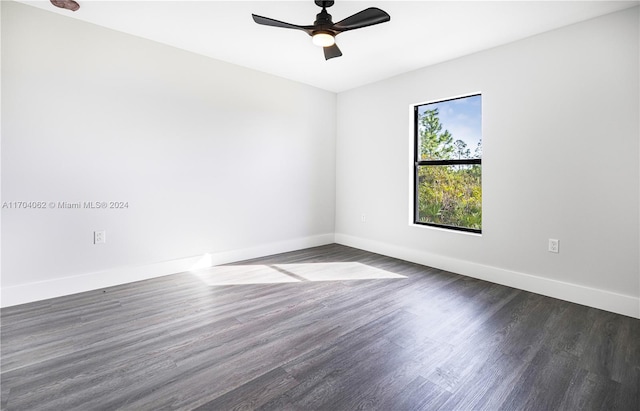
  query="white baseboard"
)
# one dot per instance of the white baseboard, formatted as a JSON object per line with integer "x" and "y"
{"x": 42, "y": 290}
{"x": 601, "y": 299}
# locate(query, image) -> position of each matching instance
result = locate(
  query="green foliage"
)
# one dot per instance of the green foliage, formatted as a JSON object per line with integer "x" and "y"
{"x": 447, "y": 194}
{"x": 434, "y": 143}
{"x": 478, "y": 150}
{"x": 461, "y": 151}
{"x": 450, "y": 195}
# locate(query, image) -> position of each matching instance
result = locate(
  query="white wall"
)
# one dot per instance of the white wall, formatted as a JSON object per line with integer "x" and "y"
{"x": 211, "y": 157}
{"x": 221, "y": 160}
{"x": 561, "y": 160}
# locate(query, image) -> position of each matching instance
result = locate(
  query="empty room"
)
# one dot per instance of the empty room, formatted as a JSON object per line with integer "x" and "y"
{"x": 320, "y": 205}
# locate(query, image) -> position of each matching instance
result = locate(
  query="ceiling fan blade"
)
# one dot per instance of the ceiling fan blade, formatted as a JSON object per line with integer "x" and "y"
{"x": 331, "y": 52}
{"x": 66, "y": 4}
{"x": 368, "y": 17}
{"x": 266, "y": 21}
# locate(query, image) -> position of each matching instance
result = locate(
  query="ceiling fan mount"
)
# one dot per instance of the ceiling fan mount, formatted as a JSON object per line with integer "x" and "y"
{"x": 324, "y": 4}
{"x": 324, "y": 30}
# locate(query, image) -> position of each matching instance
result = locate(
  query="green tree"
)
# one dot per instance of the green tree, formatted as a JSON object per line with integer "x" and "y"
{"x": 435, "y": 144}
{"x": 478, "y": 150}
{"x": 461, "y": 150}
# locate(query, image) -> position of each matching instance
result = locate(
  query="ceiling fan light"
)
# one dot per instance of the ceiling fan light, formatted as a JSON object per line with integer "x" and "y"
{"x": 323, "y": 39}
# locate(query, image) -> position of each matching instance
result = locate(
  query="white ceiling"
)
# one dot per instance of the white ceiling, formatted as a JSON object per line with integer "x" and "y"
{"x": 420, "y": 33}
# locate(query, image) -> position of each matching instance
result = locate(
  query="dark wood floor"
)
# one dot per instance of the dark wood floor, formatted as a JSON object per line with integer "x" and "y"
{"x": 423, "y": 339}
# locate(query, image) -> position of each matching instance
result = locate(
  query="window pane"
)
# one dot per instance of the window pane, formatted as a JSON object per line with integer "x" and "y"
{"x": 450, "y": 195}
{"x": 451, "y": 129}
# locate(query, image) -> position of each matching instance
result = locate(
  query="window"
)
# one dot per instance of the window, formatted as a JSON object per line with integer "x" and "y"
{"x": 448, "y": 164}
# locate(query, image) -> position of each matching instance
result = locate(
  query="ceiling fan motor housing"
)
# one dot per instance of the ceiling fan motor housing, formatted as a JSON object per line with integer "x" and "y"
{"x": 323, "y": 23}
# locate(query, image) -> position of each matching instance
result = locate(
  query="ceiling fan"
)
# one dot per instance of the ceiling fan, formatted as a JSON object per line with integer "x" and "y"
{"x": 66, "y": 4}
{"x": 324, "y": 30}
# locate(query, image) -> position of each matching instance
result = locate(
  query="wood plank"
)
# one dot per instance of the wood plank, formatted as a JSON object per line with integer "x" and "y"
{"x": 337, "y": 337}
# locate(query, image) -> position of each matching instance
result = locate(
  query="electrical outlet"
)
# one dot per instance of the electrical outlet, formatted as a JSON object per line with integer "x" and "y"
{"x": 99, "y": 237}
{"x": 363, "y": 218}
{"x": 554, "y": 245}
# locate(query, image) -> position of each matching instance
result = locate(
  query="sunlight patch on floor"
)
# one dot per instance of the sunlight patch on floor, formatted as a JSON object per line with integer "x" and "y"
{"x": 203, "y": 262}
{"x": 290, "y": 273}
